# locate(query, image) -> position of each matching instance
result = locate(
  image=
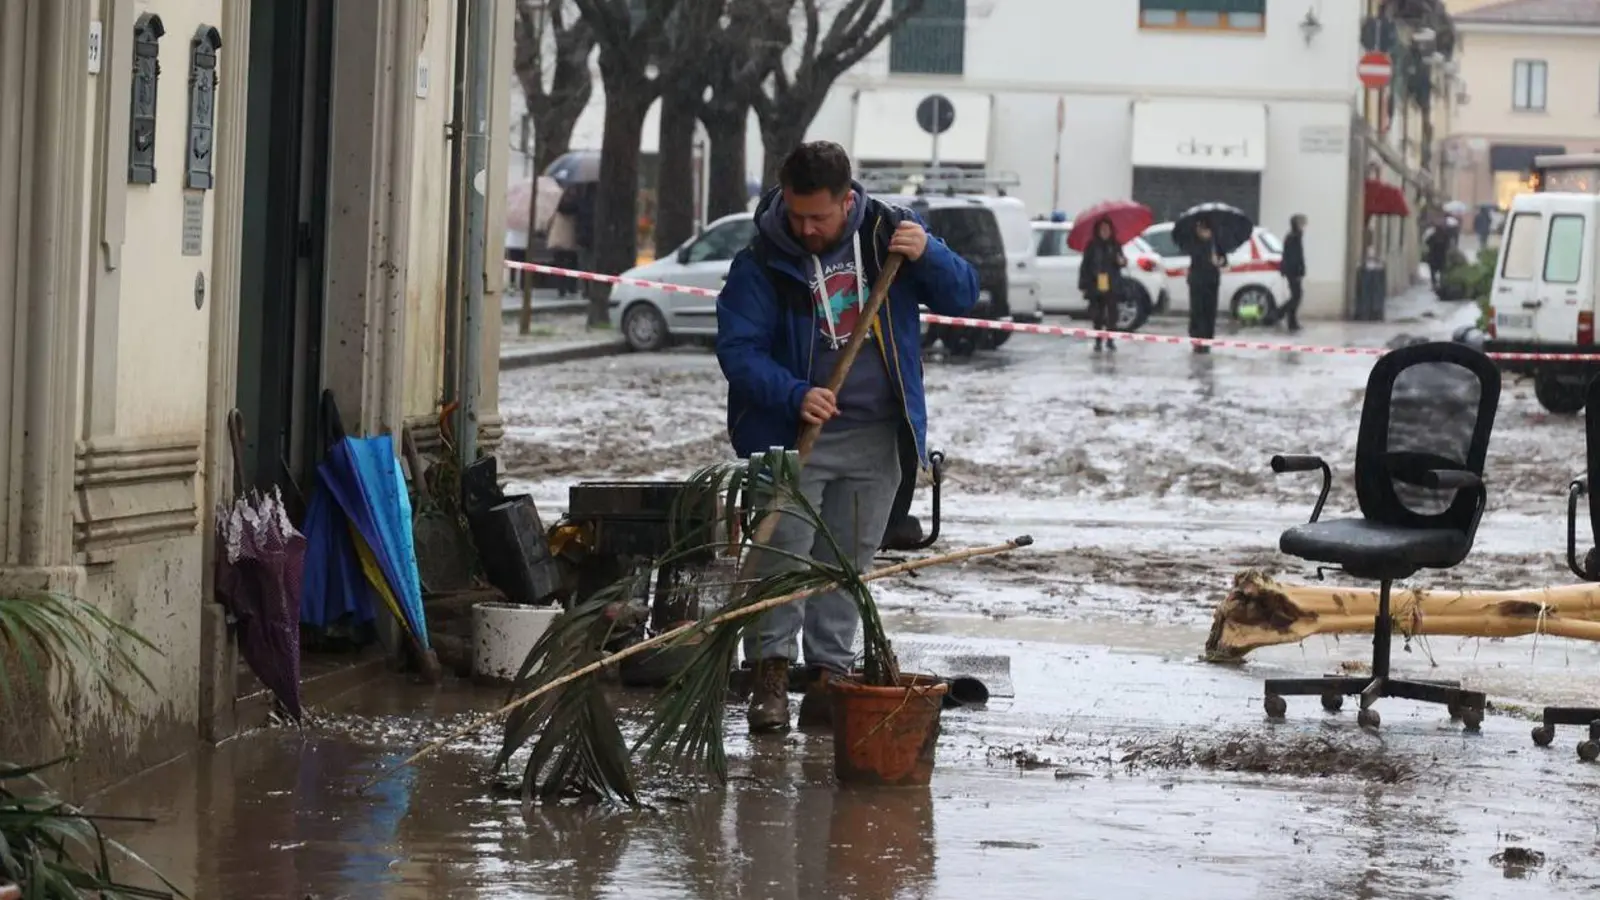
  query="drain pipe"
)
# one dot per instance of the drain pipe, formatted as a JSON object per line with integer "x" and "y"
{"x": 480, "y": 22}
{"x": 454, "y": 280}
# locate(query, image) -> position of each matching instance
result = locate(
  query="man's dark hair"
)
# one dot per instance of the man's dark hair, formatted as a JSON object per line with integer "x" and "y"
{"x": 817, "y": 166}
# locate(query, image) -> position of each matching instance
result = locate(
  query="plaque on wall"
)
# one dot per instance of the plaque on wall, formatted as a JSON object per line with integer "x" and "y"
{"x": 147, "y": 32}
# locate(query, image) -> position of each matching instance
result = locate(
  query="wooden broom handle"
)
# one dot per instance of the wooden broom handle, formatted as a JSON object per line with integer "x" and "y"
{"x": 858, "y": 338}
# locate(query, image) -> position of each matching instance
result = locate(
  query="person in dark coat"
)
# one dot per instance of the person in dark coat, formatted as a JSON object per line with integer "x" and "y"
{"x": 1482, "y": 224}
{"x": 1205, "y": 280}
{"x": 1438, "y": 241}
{"x": 1100, "y": 280}
{"x": 1293, "y": 267}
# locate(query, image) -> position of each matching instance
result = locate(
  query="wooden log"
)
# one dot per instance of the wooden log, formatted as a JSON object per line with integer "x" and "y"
{"x": 1260, "y": 612}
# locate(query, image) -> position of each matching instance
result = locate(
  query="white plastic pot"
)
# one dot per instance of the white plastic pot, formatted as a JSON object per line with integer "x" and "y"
{"x": 502, "y": 636}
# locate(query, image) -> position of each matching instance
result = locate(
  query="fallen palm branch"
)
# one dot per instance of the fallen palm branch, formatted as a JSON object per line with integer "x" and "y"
{"x": 682, "y": 631}
{"x": 1260, "y": 612}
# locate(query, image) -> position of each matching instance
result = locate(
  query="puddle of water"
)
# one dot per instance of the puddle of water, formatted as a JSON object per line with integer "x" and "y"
{"x": 276, "y": 814}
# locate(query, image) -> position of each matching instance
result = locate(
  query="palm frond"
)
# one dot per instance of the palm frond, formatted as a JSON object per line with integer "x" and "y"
{"x": 55, "y": 851}
{"x": 95, "y": 651}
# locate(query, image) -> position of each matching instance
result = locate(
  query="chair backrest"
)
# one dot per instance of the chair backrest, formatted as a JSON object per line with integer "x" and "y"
{"x": 1591, "y": 478}
{"x": 1428, "y": 406}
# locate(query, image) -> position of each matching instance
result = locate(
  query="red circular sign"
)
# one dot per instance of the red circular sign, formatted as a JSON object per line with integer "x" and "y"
{"x": 1374, "y": 70}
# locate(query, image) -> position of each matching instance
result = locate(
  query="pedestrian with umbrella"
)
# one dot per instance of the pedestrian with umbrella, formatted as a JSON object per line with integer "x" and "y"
{"x": 1099, "y": 233}
{"x": 259, "y": 560}
{"x": 1208, "y": 233}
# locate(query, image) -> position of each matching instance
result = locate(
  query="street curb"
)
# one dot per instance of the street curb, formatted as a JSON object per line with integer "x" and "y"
{"x": 529, "y": 359}
{"x": 545, "y": 309}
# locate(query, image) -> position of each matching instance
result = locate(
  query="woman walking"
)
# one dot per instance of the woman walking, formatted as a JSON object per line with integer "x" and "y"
{"x": 1100, "y": 280}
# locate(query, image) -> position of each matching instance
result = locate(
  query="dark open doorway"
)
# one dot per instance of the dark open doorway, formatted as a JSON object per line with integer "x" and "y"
{"x": 285, "y": 223}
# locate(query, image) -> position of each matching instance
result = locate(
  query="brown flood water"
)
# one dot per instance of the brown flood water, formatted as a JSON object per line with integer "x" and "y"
{"x": 1034, "y": 797}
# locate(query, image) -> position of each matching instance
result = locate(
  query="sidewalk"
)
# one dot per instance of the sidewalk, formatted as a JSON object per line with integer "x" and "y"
{"x": 556, "y": 337}
{"x": 545, "y": 302}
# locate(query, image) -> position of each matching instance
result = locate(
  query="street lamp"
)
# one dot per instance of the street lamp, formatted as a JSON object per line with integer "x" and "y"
{"x": 1310, "y": 26}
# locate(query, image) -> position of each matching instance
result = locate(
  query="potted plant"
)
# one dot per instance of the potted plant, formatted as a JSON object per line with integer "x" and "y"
{"x": 886, "y": 722}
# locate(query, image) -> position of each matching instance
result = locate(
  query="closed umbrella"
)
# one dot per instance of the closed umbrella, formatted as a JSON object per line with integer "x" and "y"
{"x": 259, "y": 562}
{"x": 575, "y": 167}
{"x": 1230, "y": 227}
{"x": 1128, "y": 220}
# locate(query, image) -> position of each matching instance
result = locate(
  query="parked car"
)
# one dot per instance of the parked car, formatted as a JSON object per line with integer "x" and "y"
{"x": 651, "y": 319}
{"x": 1546, "y": 282}
{"x": 1251, "y": 278}
{"x": 994, "y": 235}
{"x": 1144, "y": 288}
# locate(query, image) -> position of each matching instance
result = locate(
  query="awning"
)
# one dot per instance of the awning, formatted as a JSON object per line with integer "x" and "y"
{"x": 1519, "y": 157}
{"x": 1200, "y": 134}
{"x": 1384, "y": 199}
{"x": 886, "y": 129}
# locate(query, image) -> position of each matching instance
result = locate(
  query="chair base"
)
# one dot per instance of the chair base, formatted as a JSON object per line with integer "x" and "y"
{"x": 1465, "y": 706}
{"x": 1589, "y": 749}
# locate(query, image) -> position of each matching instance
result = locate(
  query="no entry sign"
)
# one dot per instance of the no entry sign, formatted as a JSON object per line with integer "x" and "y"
{"x": 1374, "y": 70}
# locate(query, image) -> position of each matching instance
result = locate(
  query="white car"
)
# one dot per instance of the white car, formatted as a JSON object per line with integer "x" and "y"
{"x": 1252, "y": 277}
{"x": 650, "y": 319}
{"x": 1058, "y": 277}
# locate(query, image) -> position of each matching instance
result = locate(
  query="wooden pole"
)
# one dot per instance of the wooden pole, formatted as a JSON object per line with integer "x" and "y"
{"x": 681, "y": 630}
{"x": 1260, "y": 612}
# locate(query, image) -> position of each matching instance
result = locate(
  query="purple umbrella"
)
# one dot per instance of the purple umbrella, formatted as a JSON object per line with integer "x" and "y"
{"x": 259, "y": 561}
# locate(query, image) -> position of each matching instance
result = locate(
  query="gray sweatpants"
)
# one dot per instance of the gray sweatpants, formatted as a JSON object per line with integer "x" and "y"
{"x": 851, "y": 479}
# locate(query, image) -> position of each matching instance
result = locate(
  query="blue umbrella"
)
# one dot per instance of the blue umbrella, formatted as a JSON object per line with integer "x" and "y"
{"x": 335, "y": 592}
{"x": 575, "y": 167}
{"x": 363, "y": 477}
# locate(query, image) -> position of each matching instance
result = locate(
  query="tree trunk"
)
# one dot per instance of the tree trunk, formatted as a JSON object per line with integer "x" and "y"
{"x": 675, "y": 177}
{"x": 616, "y": 214}
{"x": 1260, "y": 612}
{"x": 727, "y": 190}
{"x": 779, "y": 139}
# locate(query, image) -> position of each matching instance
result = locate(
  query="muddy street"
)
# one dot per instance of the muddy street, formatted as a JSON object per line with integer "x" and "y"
{"x": 1123, "y": 766}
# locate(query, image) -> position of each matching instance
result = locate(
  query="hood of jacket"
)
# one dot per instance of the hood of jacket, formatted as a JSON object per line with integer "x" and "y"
{"x": 772, "y": 218}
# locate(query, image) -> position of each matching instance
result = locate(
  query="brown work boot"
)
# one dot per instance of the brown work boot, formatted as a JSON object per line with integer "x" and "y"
{"x": 769, "y": 697}
{"x": 816, "y": 707}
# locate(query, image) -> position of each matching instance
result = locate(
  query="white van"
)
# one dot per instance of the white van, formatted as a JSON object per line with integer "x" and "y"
{"x": 1543, "y": 299}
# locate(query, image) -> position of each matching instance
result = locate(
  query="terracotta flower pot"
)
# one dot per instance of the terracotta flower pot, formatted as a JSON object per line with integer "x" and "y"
{"x": 886, "y": 735}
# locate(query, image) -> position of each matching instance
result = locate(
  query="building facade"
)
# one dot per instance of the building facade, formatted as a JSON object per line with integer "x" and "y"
{"x": 1171, "y": 102}
{"x": 1532, "y": 86}
{"x": 210, "y": 205}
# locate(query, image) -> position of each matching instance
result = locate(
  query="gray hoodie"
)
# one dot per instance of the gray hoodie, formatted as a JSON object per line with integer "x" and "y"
{"x": 839, "y": 292}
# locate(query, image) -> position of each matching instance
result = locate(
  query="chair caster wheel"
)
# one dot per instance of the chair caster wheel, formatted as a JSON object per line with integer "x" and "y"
{"x": 1543, "y": 735}
{"x": 1589, "y": 751}
{"x": 1455, "y": 709}
{"x": 1471, "y": 718}
{"x": 1368, "y": 718}
{"x": 1332, "y": 702}
{"x": 1275, "y": 706}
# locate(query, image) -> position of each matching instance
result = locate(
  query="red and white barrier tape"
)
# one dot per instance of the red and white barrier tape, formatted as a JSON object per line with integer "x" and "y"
{"x": 1059, "y": 330}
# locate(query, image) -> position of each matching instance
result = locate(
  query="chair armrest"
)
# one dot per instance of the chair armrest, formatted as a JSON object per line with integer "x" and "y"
{"x": 1282, "y": 464}
{"x": 1444, "y": 479}
{"x": 1575, "y": 491}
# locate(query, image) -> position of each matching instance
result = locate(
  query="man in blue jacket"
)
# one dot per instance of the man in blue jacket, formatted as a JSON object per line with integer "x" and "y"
{"x": 791, "y": 302}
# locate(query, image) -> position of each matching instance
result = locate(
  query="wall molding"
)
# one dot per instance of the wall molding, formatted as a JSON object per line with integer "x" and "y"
{"x": 425, "y": 431}
{"x": 133, "y": 491}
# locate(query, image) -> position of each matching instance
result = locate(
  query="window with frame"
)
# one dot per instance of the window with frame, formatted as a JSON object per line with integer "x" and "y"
{"x": 1563, "y": 252}
{"x": 932, "y": 41}
{"x": 1204, "y": 15}
{"x": 1529, "y": 78}
{"x": 1519, "y": 257}
{"x": 1053, "y": 243}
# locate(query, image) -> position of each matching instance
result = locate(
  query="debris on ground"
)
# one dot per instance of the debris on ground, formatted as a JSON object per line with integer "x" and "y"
{"x": 1019, "y": 756}
{"x": 1516, "y": 861}
{"x": 1301, "y": 757}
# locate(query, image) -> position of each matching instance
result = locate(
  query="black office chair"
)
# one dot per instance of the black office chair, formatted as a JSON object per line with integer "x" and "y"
{"x": 1419, "y": 480}
{"x": 1588, "y": 570}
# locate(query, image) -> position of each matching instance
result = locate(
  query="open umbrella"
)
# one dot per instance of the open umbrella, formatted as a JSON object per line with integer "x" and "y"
{"x": 575, "y": 167}
{"x": 1128, "y": 220}
{"x": 519, "y": 197}
{"x": 259, "y": 562}
{"x": 1230, "y": 227}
